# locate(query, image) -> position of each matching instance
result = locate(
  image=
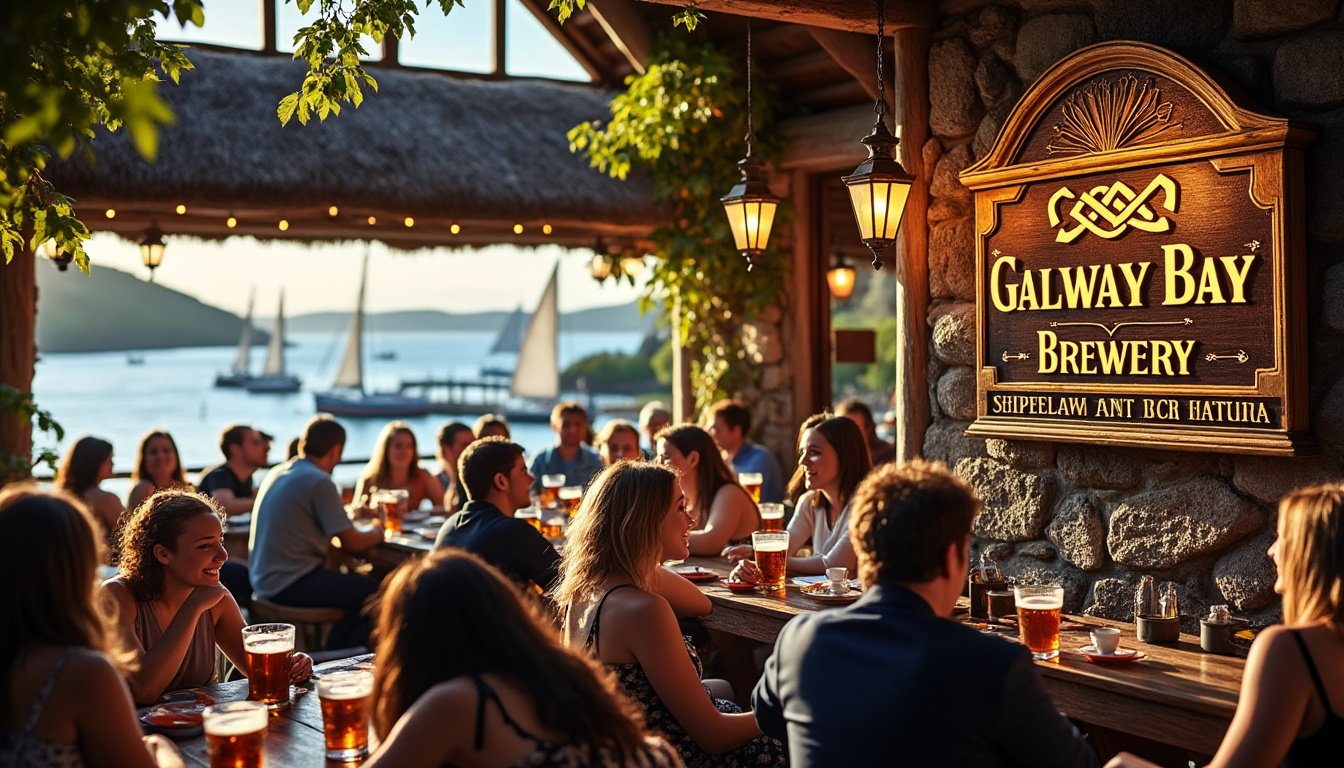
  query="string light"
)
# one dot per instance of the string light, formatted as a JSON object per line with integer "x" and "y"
{"x": 110, "y": 213}
{"x": 455, "y": 229}
{"x": 231, "y": 222}
{"x": 283, "y": 225}
{"x": 517, "y": 229}
{"x": 545, "y": 229}
{"x": 373, "y": 220}
{"x": 410, "y": 222}
{"x": 333, "y": 211}
{"x": 181, "y": 209}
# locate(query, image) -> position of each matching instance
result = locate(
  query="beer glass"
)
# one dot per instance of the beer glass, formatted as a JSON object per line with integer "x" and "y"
{"x": 268, "y": 648}
{"x": 1038, "y": 609}
{"x": 552, "y": 525}
{"x": 570, "y": 497}
{"x": 772, "y": 516}
{"x": 752, "y": 482}
{"x": 345, "y": 713}
{"x": 393, "y": 504}
{"x": 529, "y": 515}
{"x": 235, "y": 734}
{"x": 550, "y": 490}
{"x": 772, "y": 555}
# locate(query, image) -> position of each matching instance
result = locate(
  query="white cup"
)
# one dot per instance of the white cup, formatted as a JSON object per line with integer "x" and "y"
{"x": 836, "y": 575}
{"x": 1106, "y": 640}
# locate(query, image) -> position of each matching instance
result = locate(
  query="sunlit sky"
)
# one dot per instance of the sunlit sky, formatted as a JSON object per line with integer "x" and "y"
{"x": 325, "y": 277}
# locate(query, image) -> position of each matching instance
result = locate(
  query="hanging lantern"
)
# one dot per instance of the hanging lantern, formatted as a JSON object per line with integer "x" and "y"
{"x": 58, "y": 255}
{"x": 840, "y": 278}
{"x": 750, "y": 206}
{"x": 151, "y": 249}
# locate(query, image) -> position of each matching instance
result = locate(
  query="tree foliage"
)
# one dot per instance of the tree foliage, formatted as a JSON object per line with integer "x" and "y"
{"x": 67, "y": 70}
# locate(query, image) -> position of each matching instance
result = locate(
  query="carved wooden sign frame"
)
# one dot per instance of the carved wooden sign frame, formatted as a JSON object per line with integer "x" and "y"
{"x": 1140, "y": 263}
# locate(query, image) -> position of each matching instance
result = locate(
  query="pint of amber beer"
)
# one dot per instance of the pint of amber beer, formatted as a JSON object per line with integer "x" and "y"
{"x": 772, "y": 516}
{"x": 751, "y": 481}
{"x": 268, "y": 648}
{"x": 570, "y": 498}
{"x": 1038, "y": 609}
{"x": 345, "y": 713}
{"x": 235, "y": 733}
{"x": 772, "y": 555}
{"x": 550, "y": 490}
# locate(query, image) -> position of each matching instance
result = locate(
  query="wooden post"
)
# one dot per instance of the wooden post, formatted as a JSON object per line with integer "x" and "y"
{"x": 18, "y": 350}
{"x": 912, "y": 360}
{"x": 683, "y": 395}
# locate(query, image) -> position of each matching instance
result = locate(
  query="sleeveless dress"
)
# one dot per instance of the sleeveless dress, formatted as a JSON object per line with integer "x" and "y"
{"x": 1325, "y": 746}
{"x": 198, "y": 666}
{"x": 630, "y": 678}
{"x": 22, "y": 748}
{"x": 547, "y": 754}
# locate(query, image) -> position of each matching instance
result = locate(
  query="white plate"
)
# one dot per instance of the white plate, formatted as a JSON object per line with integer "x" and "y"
{"x": 807, "y": 581}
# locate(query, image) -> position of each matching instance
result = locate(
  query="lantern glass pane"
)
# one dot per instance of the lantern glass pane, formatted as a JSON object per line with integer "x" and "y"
{"x": 737, "y": 221}
{"x": 766, "y": 220}
{"x": 860, "y": 195}
{"x": 896, "y": 195}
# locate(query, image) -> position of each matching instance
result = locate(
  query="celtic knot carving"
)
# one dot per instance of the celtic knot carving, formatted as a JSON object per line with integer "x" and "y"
{"x": 1109, "y": 211}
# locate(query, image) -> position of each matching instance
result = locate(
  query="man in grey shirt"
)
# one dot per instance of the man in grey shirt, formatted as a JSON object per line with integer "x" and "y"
{"x": 297, "y": 513}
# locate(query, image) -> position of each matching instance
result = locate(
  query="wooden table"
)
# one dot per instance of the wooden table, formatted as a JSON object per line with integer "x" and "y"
{"x": 294, "y": 733}
{"x": 1178, "y": 695}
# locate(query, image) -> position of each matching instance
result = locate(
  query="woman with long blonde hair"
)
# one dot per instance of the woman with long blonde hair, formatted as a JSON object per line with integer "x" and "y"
{"x": 457, "y": 644}
{"x": 395, "y": 465}
{"x": 62, "y": 698}
{"x": 633, "y": 518}
{"x": 1291, "y": 709}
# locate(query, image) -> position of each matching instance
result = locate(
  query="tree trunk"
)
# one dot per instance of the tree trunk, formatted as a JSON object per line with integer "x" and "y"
{"x": 18, "y": 353}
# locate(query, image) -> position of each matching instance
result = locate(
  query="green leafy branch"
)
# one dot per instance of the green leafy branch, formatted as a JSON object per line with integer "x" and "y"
{"x": 21, "y": 404}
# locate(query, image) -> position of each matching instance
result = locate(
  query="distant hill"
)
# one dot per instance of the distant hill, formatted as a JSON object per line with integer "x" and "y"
{"x": 113, "y": 310}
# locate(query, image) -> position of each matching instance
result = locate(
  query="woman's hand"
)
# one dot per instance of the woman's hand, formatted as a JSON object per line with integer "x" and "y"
{"x": 203, "y": 599}
{"x": 746, "y": 571}
{"x": 162, "y": 752}
{"x": 300, "y": 667}
{"x": 737, "y": 552}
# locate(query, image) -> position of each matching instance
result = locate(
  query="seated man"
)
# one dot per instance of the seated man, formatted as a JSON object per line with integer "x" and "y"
{"x": 730, "y": 427}
{"x": 498, "y": 484}
{"x": 891, "y": 678}
{"x": 858, "y": 412}
{"x": 245, "y": 450}
{"x": 569, "y": 457}
{"x": 653, "y": 417}
{"x": 298, "y": 512}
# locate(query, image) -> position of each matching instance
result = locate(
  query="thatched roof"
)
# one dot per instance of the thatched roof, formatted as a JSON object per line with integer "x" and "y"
{"x": 482, "y": 153}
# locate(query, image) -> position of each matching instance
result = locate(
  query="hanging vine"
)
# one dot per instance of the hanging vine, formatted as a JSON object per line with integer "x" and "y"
{"x": 684, "y": 119}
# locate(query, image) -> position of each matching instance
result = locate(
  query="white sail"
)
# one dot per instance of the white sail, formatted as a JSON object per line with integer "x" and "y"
{"x": 538, "y": 373}
{"x": 351, "y": 373}
{"x": 275, "y": 353}
{"x": 242, "y": 362}
{"x": 510, "y": 337}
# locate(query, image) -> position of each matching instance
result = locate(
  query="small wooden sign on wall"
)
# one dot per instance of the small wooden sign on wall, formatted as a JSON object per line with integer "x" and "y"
{"x": 1140, "y": 263}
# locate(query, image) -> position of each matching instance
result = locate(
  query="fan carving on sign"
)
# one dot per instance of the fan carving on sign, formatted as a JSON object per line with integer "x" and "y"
{"x": 1111, "y": 115}
{"x": 1109, "y": 211}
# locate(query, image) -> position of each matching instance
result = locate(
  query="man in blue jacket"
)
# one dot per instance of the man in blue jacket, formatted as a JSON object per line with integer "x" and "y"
{"x": 891, "y": 679}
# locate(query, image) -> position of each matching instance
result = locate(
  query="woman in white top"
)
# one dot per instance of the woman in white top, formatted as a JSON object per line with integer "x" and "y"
{"x": 834, "y": 458}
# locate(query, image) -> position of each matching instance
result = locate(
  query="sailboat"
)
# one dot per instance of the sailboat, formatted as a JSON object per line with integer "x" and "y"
{"x": 273, "y": 379}
{"x": 508, "y": 342}
{"x": 537, "y": 374}
{"x": 347, "y": 396}
{"x": 241, "y": 370}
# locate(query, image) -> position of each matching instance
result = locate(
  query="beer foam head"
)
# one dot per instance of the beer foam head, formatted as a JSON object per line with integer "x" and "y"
{"x": 770, "y": 511}
{"x": 340, "y": 686}
{"x": 267, "y": 644}
{"x": 771, "y": 546}
{"x": 235, "y": 721}
{"x": 1041, "y": 603}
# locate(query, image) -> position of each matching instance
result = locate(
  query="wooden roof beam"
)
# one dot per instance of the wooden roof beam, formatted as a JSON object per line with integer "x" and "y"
{"x": 844, "y": 15}
{"x": 624, "y": 24}
{"x": 853, "y": 52}
{"x": 588, "y": 57}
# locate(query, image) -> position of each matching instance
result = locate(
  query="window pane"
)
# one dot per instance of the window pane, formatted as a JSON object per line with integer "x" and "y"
{"x": 288, "y": 20}
{"x": 461, "y": 41}
{"x": 532, "y": 51}
{"x": 235, "y": 23}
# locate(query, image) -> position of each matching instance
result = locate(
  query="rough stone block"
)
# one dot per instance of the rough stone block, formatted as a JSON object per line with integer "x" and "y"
{"x": 1112, "y": 599}
{"x": 952, "y": 261}
{"x": 996, "y": 81}
{"x": 988, "y": 132}
{"x": 954, "y": 108}
{"x": 945, "y": 209}
{"x": 932, "y": 152}
{"x": 1021, "y": 569}
{"x": 1022, "y": 454}
{"x": 1166, "y": 466}
{"x": 992, "y": 550}
{"x": 1089, "y": 466}
{"x": 1253, "y": 19}
{"x": 1046, "y": 39}
{"x": 1268, "y": 478}
{"x": 1165, "y": 527}
{"x": 1309, "y": 70}
{"x": 1017, "y": 504}
{"x": 956, "y": 393}
{"x": 954, "y": 333}
{"x": 1076, "y": 529}
{"x": 1325, "y": 182}
{"x": 1246, "y": 575}
{"x": 1334, "y": 297}
{"x": 1182, "y": 25}
{"x": 996, "y": 22}
{"x": 946, "y": 175}
{"x": 1038, "y": 550}
{"x": 1328, "y": 422}
{"x": 946, "y": 441}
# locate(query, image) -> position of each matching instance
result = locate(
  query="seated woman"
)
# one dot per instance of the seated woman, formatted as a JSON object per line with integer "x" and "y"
{"x": 62, "y": 698}
{"x": 157, "y": 466}
{"x": 514, "y": 695}
{"x": 88, "y": 463}
{"x": 634, "y": 517}
{"x": 395, "y": 465}
{"x": 723, "y": 511}
{"x": 172, "y": 610}
{"x": 1291, "y": 709}
{"x": 835, "y": 460}
{"x": 798, "y": 481}
{"x": 491, "y": 425}
{"x": 618, "y": 441}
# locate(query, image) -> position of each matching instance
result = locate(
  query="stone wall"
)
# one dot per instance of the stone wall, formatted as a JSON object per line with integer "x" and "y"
{"x": 1097, "y": 518}
{"x": 774, "y": 423}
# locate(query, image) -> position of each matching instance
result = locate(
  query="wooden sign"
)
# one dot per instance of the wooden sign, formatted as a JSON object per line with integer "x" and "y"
{"x": 1140, "y": 263}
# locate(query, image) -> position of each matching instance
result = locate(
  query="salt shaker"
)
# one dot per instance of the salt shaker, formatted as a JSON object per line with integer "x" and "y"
{"x": 1170, "y": 610}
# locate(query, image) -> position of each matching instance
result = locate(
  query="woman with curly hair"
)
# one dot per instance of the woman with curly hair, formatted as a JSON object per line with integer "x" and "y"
{"x": 157, "y": 466}
{"x": 395, "y": 464}
{"x": 457, "y": 644}
{"x": 172, "y": 610}
{"x": 62, "y": 699}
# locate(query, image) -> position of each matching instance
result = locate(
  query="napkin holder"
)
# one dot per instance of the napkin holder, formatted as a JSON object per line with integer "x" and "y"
{"x": 1156, "y": 629}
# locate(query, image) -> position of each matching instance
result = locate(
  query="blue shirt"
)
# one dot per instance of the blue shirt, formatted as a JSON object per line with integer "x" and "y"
{"x": 581, "y": 471}
{"x": 297, "y": 511}
{"x": 753, "y": 458}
